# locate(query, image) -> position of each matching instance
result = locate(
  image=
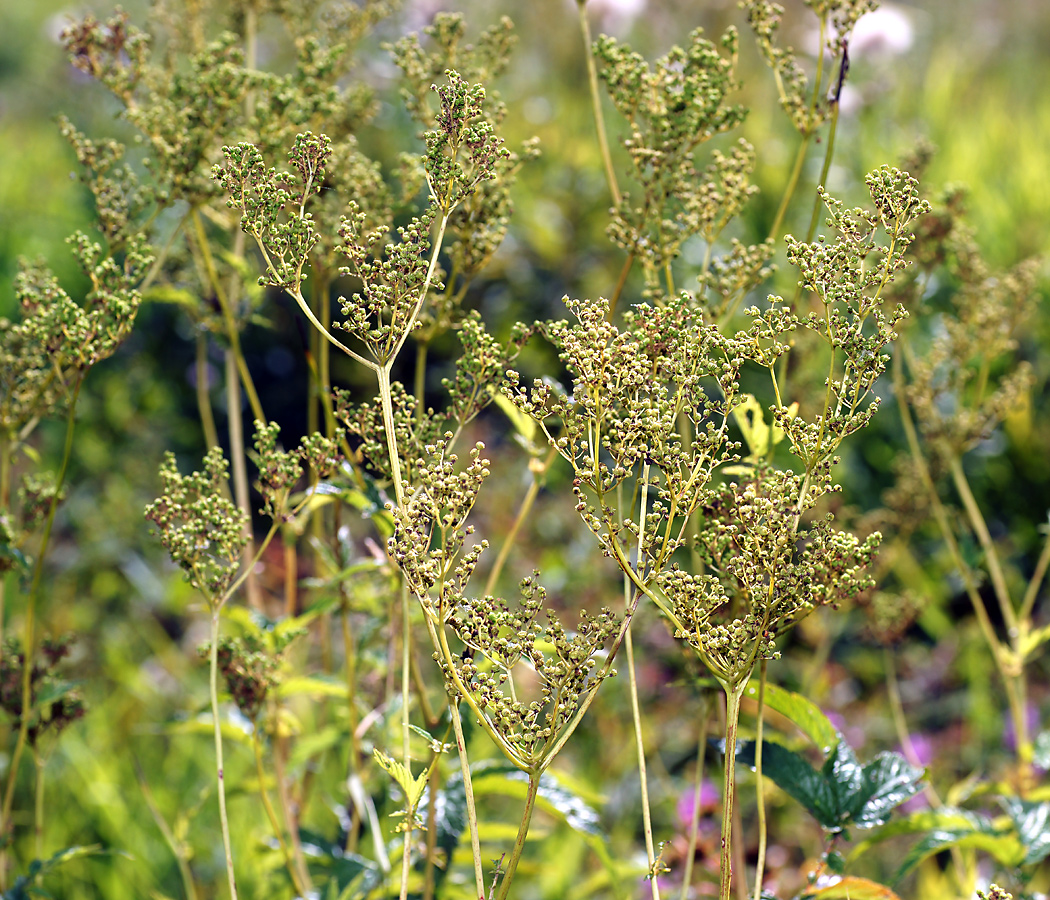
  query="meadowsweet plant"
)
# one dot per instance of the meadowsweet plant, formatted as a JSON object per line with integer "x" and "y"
{"x": 45, "y": 357}
{"x": 404, "y": 683}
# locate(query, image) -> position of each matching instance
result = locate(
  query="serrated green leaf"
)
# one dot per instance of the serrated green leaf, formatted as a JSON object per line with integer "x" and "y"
{"x": 312, "y": 686}
{"x": 412, "y": 786}
{"x": 794, "y": 775}
{"x": 1032, "y": 821}
{"x": 450, "y": 819}
{"x": 803, "y": 713}
{"x": 845, "y": 778}
{"x": 945, "y": 818}
{"x": 888, "y": 780}
{"x": 852, "y": 888}
{"x": 1005, "y": 848}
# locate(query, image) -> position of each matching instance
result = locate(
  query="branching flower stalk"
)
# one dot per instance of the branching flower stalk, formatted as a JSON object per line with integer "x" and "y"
{"x": 203, "y": 532}
{"x": 46, "y": 358}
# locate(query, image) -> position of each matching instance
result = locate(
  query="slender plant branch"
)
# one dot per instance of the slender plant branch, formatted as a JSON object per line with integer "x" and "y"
{"x": 278, "y": 832}
{"x": 523, "y": 830}
{"x": 760, "y": 794}
{"x": 596, "y": 103}
{"x": 980, "y": 528}
{"x": 29, "y": 625}
{"x": 213, "y": 688}
{"x": 734, "y": 693}
{"x": 468, "y": 790}
{"x": 176, "y": 846}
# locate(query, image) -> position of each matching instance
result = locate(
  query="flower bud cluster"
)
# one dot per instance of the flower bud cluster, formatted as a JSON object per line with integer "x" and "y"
{"x": 566, "y": 667}
{"x": 202, "y": 530}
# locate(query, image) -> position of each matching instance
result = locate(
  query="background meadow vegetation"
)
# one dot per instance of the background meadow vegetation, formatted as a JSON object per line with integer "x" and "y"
{"x": 135, "y": 774}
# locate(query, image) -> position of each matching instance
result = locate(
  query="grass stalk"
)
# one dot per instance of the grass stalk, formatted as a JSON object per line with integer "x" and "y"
{"x": 271, "y": 815}
{"x": 468, "y": 790}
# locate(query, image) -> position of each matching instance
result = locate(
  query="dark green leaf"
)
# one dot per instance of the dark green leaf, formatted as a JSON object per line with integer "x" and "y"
{"x": 450, "y": 819}
{"x": 845, "y": 778}
{"x": 55, "y": 690}
{"x": 888, "y": 780}
{"x": 1032, "y": 821}
{"x": 796, "y": 777}
{"x": 354, "y": 876}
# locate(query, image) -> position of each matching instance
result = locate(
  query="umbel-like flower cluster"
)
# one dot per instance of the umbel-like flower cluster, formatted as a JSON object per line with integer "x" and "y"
{"x": 646, "y": 425}
{"x": 200, "y": 527}
{"x": 428, "y": 544}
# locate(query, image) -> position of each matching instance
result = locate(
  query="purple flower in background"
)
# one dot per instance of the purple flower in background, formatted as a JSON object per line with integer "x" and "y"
{"x": 1031, "y": 719}
{"x": 921, "y": 750}
{"x": 710, "y": 797}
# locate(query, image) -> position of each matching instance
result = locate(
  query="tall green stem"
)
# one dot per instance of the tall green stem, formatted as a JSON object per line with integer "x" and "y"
{"x": 38, "y": 805}
{"x": 596, "y": 103}
{"x": 29, "y": 626}
{"x": 213, "y": 685}
{"x": 759, "y": 787}
{"x": 523, "y": 830}
{"x": 789, "y": 191}
{"x": 734, "y": 693}
{"x": 235, "y": 430}
{"x": 204, "y": 410}
{"x": 468, "y": 790}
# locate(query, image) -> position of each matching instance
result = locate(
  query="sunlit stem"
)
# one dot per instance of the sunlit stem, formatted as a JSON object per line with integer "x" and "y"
{"x": 734, "y": 693}
{"x": 596, "y": 103}
{"x": 523, "y": 830}
{"x": 539, "y": 476}
{"x": 468, "y": 790}
{"x": 213, "y": 688}
{"x": 759, "y": 786}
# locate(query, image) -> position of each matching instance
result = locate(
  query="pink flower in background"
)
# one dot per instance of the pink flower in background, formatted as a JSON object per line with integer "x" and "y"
{"x": 710, "y": 797}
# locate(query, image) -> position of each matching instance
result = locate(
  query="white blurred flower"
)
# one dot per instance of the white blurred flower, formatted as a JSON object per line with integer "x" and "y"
{"x": 615, "y": 16}
{"x": 885, "y": 32}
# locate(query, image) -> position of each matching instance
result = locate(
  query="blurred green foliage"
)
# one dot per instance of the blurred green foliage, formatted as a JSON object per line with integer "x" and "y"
{"x": 975, "y": 82}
